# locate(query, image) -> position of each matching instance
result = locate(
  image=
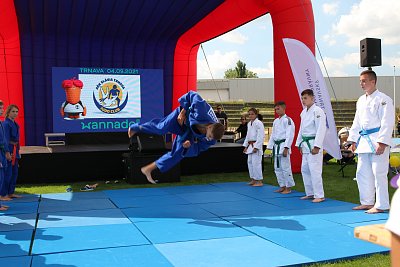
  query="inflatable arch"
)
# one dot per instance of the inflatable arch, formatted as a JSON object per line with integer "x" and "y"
{"x": 21, "y": 66}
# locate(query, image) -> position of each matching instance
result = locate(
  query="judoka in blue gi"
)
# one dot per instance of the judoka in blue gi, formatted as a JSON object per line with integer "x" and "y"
{"x": 3, "y": 160}
{"x": 11, "y": 131}
{"x": 196, "y": 128}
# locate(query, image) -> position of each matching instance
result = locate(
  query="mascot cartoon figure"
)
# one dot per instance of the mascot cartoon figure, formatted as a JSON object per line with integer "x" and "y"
{"x": 72, "y": 108}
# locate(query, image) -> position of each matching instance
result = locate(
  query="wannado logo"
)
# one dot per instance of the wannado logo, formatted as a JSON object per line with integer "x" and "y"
{"x": 110, "y": 96}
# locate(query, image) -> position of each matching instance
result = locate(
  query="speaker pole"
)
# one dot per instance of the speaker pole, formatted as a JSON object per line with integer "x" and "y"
{"x": 394, "y": 98}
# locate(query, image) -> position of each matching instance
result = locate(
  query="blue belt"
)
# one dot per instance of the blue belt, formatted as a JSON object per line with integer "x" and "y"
{"x": 274, "y": 153}
{"x": 366, "y": 134}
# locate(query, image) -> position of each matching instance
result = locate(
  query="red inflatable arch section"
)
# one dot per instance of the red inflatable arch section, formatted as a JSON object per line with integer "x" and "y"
{"x": 290, "y": 19}
{"x": 10, "y": 62}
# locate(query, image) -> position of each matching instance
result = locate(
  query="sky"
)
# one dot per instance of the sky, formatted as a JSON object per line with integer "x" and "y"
{"x": 340, "y": 25}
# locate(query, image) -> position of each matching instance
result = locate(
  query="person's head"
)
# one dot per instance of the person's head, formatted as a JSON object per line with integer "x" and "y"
{"x": 280, "y": 108}
{"x": 368, "y": 81}
{"x": 219, "y": 108}
{"x": 307, "y": 97}
{"x": 243, "y": 119}
{"x": 12, "y": 111}
{"x": 252, "y": 113}
{"x": 215, "y": 131}
{"x": 1, "y": 107}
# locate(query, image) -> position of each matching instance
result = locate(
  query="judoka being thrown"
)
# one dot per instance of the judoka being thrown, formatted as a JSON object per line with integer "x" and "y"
{"x": 196, "y": 128}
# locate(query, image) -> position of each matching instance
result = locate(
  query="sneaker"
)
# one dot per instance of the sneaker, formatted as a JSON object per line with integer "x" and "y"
{"x": 87, "y": 188}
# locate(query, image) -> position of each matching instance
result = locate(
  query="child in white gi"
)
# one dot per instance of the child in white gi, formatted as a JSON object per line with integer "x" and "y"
{"x": 280, "y": 142}
{"x": 371, "y": 136}
{"x": 309, "y": 140}
{"x": 253, "y": 147}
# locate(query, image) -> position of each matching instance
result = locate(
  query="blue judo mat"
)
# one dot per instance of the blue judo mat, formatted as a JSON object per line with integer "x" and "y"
{"x": 224, "y": 224}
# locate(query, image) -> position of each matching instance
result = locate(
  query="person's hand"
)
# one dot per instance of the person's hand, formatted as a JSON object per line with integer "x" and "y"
{"x": 186, "y": 144}
{"x": 380, "y": 149}
{"x": 245, "y": 150}
{"x": 353, "y": 147}
{"x": 285, "y": 152}
{"x": 182, "y": 117}
{"x": 8, "y": 156}
{"x": 255, "y": 150}
{"x": 315, "y": 150}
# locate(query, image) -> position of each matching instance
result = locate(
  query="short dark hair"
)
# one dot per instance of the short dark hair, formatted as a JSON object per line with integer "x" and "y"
{"x": 280, "y": 103}
{"x": 219, "y": 106}
{"x": 371, "y": 75}
{"x": 218, "y": 130}
{"x": 1, "y": 103}
{"x": 307, "y": 92}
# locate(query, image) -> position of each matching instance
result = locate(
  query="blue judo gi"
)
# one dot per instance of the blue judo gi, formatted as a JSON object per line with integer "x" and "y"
{"x": 11, "y": 131}
{"x": 198, "y": 111}
{"x": 3, "y": 160}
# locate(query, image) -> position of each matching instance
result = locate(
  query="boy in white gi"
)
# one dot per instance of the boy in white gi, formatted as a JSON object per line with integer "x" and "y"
{"x": 280, "y": 142}
{"x": 371, "y": 135}
{"x": 253, "y": 147}
{"x": 309, "y": 140}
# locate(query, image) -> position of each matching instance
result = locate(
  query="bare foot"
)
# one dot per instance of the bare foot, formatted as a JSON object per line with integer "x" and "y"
{"x": 318, "y": 200}
{"x": 374, "y": 211}
{"x": 363, "y": 207}
{"x": 251, "y": 182}
{"x": 286, "y": 191}
{"x": 147, "y": 172}
{"x": 258, "y": 183}
{"x": 131, "y": 132}
{"x": 3, "y": 208}
{"x": 307, "y": 197}
{"x": 280, "y": 190}
{"x": 14, "y": 196}
{"x": 6, "y": 198}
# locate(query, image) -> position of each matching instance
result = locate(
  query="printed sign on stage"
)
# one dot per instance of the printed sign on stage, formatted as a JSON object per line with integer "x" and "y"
{"x": 105, "y": 99}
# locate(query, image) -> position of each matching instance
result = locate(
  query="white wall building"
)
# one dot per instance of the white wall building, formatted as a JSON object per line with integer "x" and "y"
{"x": 262, "y": 89}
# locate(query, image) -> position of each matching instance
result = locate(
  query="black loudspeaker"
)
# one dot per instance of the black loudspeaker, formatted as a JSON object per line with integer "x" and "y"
{"x": 133, "y": 162}
{"x": 370, "y": 52}
{"x": 147, "y": 143}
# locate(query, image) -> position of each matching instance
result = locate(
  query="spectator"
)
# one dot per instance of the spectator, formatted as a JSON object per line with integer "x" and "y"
{"x": 242, "y": 129}
{"x": 398, "y": 124}
{"x": 222, "y": 117}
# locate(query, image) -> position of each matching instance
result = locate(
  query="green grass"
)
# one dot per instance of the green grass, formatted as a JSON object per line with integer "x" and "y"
{"x": 335, "y": 187}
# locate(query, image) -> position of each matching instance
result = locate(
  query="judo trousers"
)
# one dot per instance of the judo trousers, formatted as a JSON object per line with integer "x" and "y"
{"x": 311, "y": 170}
{"x": 372, "y": 179}
{"x": 169, "y": 124}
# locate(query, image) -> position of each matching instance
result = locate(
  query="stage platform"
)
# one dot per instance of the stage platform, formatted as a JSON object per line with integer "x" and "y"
{"x": 73, "y": 163}
{"x": 223, "y": 224}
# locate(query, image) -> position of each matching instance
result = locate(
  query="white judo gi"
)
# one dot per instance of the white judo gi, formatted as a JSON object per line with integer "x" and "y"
{"x": 374, "y": 114}
{"x": 312, "y": 127}
{"x": 255, "y": 139}
{"x": 282, "y": 137}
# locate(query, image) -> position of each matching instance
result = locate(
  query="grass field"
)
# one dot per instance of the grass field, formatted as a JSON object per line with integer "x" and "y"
{"x": 335, "y": 186}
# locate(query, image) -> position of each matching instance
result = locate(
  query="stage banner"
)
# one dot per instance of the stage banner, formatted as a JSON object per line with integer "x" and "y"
{"x": 308, "y": 75}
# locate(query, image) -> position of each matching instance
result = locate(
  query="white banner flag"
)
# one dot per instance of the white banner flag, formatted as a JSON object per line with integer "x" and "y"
{"x": 308, "y": 75}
